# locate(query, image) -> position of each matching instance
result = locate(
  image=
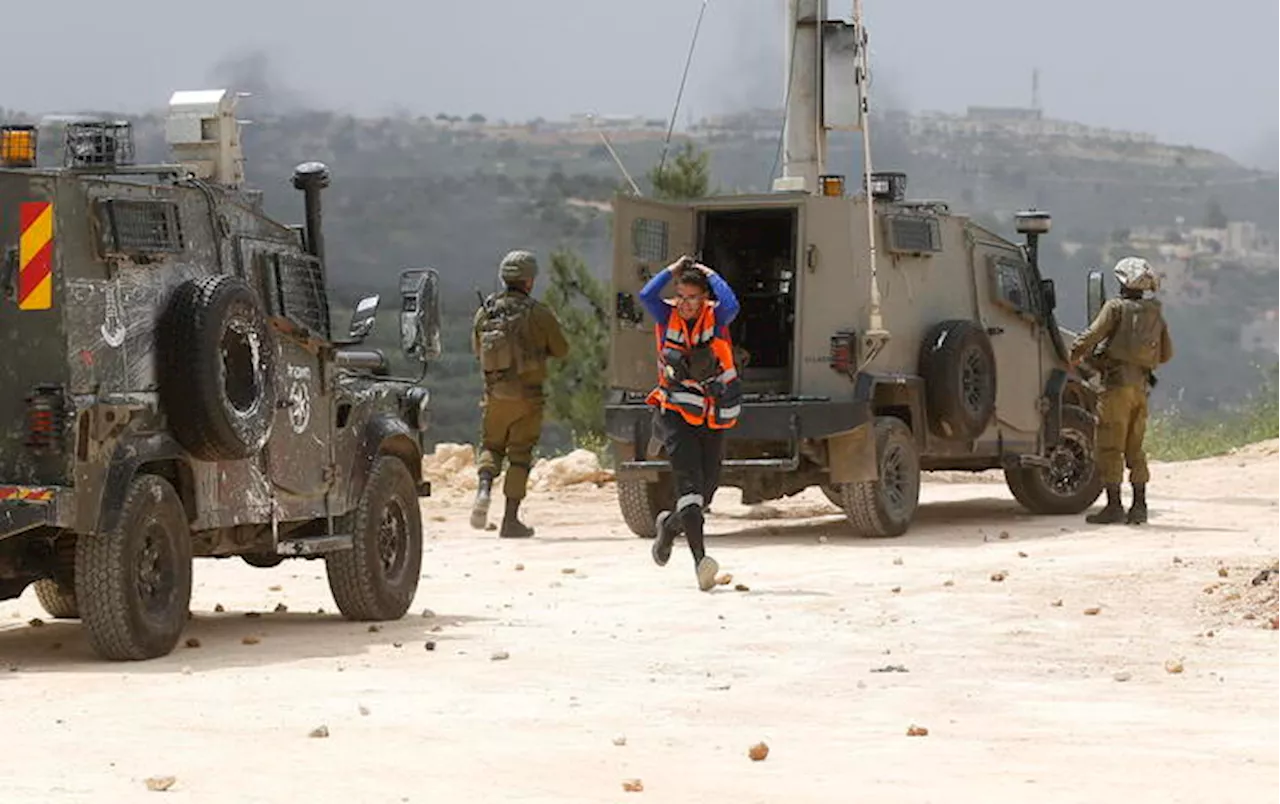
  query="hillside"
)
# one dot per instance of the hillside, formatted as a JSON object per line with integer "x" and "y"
{"x": 456, "y": 195}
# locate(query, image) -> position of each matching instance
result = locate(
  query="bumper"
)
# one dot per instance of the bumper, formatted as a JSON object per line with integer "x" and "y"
{"x": 792, "y": 420}
{"x": 25, "y": 507}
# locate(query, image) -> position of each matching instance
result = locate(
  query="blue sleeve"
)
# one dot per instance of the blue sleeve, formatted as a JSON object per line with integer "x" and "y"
{"x": 727, "y": 309}
{"x": 651, "y": 297}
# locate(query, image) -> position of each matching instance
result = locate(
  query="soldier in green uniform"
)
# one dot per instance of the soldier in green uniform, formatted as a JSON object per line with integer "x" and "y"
{"x": 1135, "y": 340}
{"x": 513, "y": 335}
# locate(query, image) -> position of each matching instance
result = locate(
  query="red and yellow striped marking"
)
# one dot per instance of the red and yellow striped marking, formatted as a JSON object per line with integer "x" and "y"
{"x": 35, "y": 256}
{"x": 25, "y": 493}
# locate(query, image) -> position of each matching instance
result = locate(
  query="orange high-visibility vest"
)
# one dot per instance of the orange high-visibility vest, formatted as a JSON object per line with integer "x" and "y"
{"x": 689, "y": 398}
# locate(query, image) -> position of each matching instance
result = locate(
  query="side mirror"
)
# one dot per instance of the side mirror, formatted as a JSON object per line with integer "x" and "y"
{"x": 1050, "y": 295}
{"x": 420, "y": 313}
{"x": 363, "y": 318}
{"x": 1095, "y": 295}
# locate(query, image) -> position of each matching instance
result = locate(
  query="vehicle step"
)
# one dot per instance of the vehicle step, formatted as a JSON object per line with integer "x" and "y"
{"x": 313, "y": 545}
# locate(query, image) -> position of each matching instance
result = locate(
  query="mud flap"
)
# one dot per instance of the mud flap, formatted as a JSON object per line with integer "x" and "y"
{"x": 851, "y": 456}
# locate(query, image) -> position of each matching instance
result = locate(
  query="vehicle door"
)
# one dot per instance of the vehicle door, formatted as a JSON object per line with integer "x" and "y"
{"x": 299, "y": 453}
{"x": 1009, "y": 308}
{"x": 647, "y": 236}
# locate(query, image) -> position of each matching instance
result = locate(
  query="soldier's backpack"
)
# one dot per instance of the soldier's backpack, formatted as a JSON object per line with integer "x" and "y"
{"x": 1137, "y": 336}
{"x": 505, "y": 335}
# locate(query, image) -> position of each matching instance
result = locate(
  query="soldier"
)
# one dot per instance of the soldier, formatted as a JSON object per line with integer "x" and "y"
{"x": 697, "y": 398}
{"x": 1136, "y": 341}
{"x": 513, "y": 335}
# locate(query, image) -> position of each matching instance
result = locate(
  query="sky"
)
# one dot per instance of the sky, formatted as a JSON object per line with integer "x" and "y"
{"x": 1188, "y": 72}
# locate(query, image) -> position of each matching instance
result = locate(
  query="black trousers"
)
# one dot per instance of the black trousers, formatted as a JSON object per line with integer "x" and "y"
{"x": 695, "y": 454}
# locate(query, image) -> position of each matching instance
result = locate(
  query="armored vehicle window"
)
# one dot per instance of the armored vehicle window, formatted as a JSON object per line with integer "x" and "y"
{"x": 1011, "y": 286}
{"x": 649, "y": 239}
{"x": 133, "y": 227}
{"x": 914, "y": 234}
{"x": 296, "y": 291}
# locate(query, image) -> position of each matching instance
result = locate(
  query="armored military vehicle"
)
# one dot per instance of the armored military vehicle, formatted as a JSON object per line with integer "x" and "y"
{"x": 170, "y": 386}
{"x": 879, "y": 336}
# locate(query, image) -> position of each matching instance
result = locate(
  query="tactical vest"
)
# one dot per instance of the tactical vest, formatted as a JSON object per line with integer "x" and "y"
{"x": 710, "y": 364}
{"x": 506, "y": 337}
{"x": 1137, "y": 338}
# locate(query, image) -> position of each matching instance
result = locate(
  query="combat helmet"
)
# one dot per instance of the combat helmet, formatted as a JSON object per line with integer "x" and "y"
{"x": 518, "y": 265}
{"x": 1135, "y": 273}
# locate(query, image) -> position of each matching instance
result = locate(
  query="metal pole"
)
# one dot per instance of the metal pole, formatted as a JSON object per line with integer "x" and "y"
{"x": 875, "y": 332}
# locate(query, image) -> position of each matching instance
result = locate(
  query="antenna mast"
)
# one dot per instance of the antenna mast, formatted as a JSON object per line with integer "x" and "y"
{"x": 876, "y": 333}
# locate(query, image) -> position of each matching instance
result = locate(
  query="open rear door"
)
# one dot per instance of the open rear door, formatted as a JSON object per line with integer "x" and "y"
{"x": 647, "y": 236}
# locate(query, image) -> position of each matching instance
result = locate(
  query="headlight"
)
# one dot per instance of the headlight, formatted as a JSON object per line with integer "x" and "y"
{"x": 417, "y": 408}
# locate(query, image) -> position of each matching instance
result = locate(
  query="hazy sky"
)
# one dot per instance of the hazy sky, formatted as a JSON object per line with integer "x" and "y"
{"x": 1188, "y": 72}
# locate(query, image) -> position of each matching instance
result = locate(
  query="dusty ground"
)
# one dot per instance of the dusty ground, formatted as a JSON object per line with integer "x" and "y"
{"x": 835, "y": 650}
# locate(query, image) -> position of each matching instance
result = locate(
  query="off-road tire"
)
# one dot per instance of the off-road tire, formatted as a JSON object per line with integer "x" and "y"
{"x": 133, "y": 583}
{"x": 833, "y": 495}
{"x": 57, "y": 600}
{"x": 262, "y": 560}
{"x": 642, "y": 500}
{"x": 959, "y": 370}
{"x": 885, "y": 506}
{"x": 216, "y": 359}
{"x": 377, "y": 578}
{"x": 1074, "y": 483}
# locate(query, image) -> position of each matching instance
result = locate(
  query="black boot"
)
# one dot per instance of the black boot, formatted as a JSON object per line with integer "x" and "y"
{"x": 512, "y": 527}
{"x": 480, "y": 510}
{"x": 668, "y": 528}
{"x": 1113, "y": 512}
{"x": 1138, "y": 511}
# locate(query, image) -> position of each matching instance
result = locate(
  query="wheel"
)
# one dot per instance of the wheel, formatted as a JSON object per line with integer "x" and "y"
{"x": 262, "y": 560}
{"x": 832, "y": 493}
{"x": 885, "y": 506}
{"x": 377, "y": 578}
{"x": 217, "y": 359}
{"x": 134, "y": 582}
{"x": 58, "y": 600}
{"x": 1072, "y": 482}
{"x": 641, "y": 501}
{"x": 959, "y": 370}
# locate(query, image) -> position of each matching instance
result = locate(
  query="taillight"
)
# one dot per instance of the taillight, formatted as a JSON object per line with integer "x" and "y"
{"x": 46, "y": 418}
{"x": 844, "y": 352}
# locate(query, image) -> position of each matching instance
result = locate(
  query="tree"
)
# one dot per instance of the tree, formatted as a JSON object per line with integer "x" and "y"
{"x": 576, "y": 385}
{"x": 1214, "y": 217}
{"x": 687, "y": 176}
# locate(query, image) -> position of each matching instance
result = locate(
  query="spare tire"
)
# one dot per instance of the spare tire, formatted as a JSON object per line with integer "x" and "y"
{"x": 216, "y": 360}
{"x": 958, "y": 366}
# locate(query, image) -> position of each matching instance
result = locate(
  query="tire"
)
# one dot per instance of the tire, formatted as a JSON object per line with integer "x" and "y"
{"x": 134, "y": 582}
{"x": 832, "y": 493}
{"x": 641, "y": 501}
{"x": 58, "y": 601}
{"x": 378, "y": 577}
{"x": 885, "y": 506}
{"x": 959, "y": 370}
{"x": 262, "y": 560}
{"x": 1073, "y": 482}
{"x": 217, "y": 368}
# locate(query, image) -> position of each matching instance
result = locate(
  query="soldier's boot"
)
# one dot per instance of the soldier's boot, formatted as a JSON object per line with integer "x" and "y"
{"x": 512, "y": 527}
{"x": 1113, "y": 512}
{"x": 1138, "y": 511}
{"x": 480, "y": 510}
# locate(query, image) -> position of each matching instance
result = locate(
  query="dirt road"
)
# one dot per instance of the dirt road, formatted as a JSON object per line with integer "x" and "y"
{"x": 1036, "y": 652}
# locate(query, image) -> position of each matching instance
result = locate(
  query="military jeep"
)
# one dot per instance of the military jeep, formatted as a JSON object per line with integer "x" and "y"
{"x": 878, "y": 337}
{"x": 170, "y": 386}
{"x": 973, "y": 377}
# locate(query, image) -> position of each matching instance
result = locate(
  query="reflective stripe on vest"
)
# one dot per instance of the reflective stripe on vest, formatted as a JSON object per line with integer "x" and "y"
{"x": 689, "y": 398}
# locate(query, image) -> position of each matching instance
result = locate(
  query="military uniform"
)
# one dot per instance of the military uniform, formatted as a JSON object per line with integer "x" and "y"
{"x": 1136, "y": 340}
{"x": 513, "y": 335}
